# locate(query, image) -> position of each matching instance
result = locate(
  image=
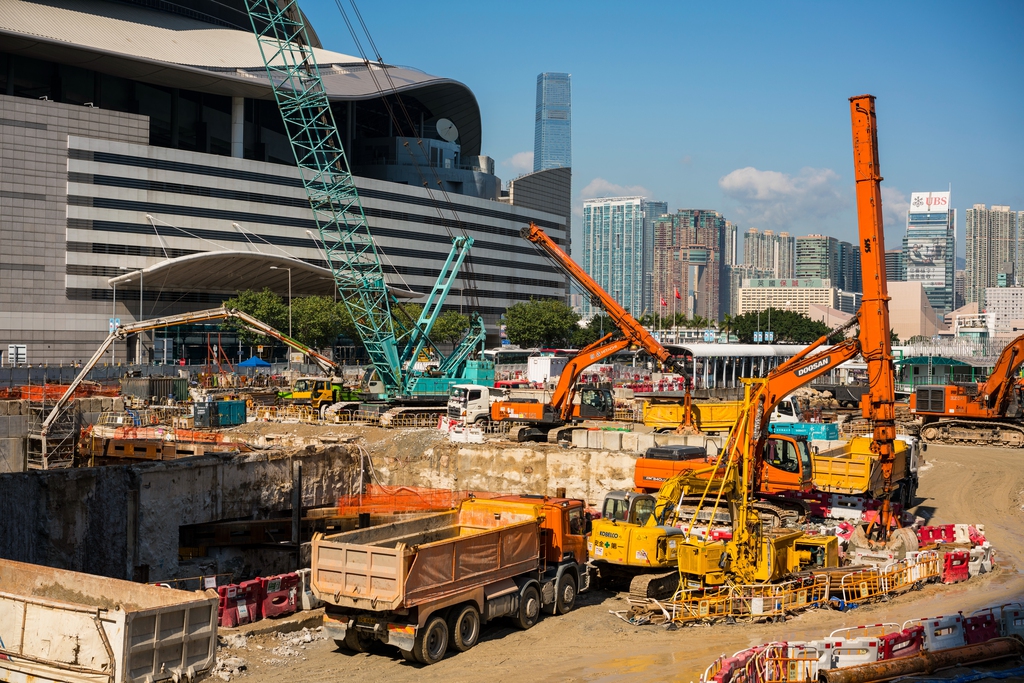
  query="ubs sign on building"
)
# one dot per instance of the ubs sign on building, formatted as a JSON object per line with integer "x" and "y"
{"x": 929, "y": 247}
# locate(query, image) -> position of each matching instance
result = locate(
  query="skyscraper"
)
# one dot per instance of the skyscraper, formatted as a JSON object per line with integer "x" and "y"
{"x": 613, "y": 250}
{"x": 991, "y": 244}
{"x": 894, "y": 265}
{"x": 929, "y": 247}
{"x": 652, "y": 212}
{"x": 731, "y": 246}
{"x": 770, "y": 252}
{"x": 552, "y": 137}
{"x": 825, "y": 257}
{"x": 689, "y": 248}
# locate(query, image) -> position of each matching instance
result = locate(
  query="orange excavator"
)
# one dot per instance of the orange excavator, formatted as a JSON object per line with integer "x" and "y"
{"x": 986, "y": 413}
{"x": 552, "y": 420}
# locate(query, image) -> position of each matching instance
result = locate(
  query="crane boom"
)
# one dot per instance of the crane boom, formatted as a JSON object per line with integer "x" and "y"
{"x": 309, "y": 122}
{"x": 634, "y": 332}
{"x": 879, "y": 403}
{"x": 122, "y": 331}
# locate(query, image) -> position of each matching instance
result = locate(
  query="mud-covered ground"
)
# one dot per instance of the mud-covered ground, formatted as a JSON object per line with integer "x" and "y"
{"x": 958, "y": 484}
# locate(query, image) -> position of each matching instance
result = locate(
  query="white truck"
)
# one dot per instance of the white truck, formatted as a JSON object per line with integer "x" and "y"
{"x": 58, "y": 625}
{"x": 471, "y": 403}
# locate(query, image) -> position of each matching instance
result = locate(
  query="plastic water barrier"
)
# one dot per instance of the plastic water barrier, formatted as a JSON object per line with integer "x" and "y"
{"x": 802, "y": 661}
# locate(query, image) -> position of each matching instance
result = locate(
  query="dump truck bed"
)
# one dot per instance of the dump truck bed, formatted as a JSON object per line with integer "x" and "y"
{"x": 59, "y": 625}
{"x": 713, "y": 416}
{"x": 408, "y": 563}
{"x": 851, "y": 468}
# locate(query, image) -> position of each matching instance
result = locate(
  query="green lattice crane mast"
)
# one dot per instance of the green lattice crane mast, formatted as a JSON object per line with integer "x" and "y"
{"x": 309, "y": 122}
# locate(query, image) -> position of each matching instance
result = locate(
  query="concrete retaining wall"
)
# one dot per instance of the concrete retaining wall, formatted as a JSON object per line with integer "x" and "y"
{"x": 115, "y": 521}
{"x": 15, "y": 422}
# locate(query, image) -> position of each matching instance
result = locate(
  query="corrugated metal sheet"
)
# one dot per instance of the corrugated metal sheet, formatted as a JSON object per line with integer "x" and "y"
{"x": 135, "y": 42}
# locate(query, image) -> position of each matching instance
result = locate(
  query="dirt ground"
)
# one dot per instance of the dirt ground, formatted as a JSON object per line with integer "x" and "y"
{"x": 958, "y": 484}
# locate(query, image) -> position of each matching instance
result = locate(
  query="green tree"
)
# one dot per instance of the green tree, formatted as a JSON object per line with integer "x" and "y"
{"x": 546, "y": 322}
{"x": 598, "y": 326}
{"x": 450, "y": 327}
{"x": 788, "y": 326}
{"x": 317, "y": 321}
{"x": 265, "y": 306}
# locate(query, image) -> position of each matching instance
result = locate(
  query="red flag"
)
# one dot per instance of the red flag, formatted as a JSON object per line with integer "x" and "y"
{"x": 677, "y": 293}
{"x": 663, "y": 302}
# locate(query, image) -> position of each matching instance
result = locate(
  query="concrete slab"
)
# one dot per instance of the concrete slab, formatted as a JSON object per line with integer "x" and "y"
{"x": 629, "y": 442}
{"x": 595, "y": 439}
{"x": 579, "y": 438}
{"x": 12, "y": 455}
{"x": 644, "y": 441}
{"x": 612, "y": 441}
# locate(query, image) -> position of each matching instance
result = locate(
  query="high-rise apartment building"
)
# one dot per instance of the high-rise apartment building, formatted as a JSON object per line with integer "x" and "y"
{"x": 768, "y": 251}
{"x": 991, "y": 245}
{"x": 688, "y": 252}
{"x": 958, "y": 289}
{"x": 827, "y": 258}
{"x": 894, "y": 265}
{"x": 731, "y": 244}
{"x": 652, "y": 212}
{"x": 613, "y": 250}
{"x": 552, "y": 136}
{"x": 929, "y": 247}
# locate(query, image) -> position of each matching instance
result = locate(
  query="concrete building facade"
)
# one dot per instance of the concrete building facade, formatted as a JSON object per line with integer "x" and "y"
{"x": 689, "y": 248}
{"x": 991, "y": 240}
{"x": 1006, "y": 305}
{"x": 765, "y": 250}
{"x": 788, "y": 295}
{"x": 107, "y": 173}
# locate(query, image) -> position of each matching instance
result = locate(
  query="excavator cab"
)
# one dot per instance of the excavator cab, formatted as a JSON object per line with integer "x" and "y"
{"x": 596, "y": 403}
{"x": 628, "y": 506}
{"x": 786, "y": 465}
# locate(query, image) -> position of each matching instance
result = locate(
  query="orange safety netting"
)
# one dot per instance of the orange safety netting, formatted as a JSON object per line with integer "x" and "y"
{"x": 388, "y": 499}
{"x": 52, "y": 392}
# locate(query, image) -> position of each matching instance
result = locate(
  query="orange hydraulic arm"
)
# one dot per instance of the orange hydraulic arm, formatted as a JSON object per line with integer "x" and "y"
{"x": 561, "y": 399}
{"x": 878, "y": 404}
{"x": 740, "y": 465}
{"x": 631, "y": 329}
{"x": 996, "y": 391}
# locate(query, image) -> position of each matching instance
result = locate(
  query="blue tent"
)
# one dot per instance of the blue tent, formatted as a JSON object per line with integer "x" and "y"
{"x": 254, "y": 362}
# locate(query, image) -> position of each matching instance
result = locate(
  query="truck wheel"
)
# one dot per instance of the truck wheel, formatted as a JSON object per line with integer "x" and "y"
{"x": 529, "y": 607}
{"x": 464, "y": 628}
{"x": 565, "y": 593}
{"x": 353, "y": 642}
{"x": 408, "y": 655}
{"x": 432, "y": 641}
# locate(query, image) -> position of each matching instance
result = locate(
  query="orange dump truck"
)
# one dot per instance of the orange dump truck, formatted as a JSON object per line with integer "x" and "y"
{"x": 427, "y": 585}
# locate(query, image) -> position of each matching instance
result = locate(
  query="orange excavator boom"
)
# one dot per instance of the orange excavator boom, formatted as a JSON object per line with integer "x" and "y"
{"x": 879, "y": 403}
{"x": 632, "y": 330}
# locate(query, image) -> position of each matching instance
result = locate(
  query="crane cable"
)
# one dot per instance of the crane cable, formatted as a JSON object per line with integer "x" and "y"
{"x": 444, "y": 222}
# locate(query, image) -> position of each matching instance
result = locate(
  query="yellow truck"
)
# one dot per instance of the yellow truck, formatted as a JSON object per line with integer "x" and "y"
{"x": 666, "y": 415}
{"x": 850, "y": 468}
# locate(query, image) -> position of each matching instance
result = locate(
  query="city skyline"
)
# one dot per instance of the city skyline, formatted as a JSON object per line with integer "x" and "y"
{"x": 782, "y": 167}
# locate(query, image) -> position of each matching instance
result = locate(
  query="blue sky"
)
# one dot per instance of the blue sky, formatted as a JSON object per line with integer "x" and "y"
{"x": 743, "y": 109}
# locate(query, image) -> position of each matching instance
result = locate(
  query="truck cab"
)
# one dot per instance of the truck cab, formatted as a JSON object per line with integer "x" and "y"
{"x": 596, "y": 403}
{"x": 471, "y": 403}
{"x": 318, "y": 392}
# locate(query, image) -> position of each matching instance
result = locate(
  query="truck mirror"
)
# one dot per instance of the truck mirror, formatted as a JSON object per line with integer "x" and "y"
{"x": 588, "y": 524}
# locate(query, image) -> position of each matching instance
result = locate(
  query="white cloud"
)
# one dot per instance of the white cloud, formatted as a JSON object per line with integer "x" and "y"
{"x": 894, "y": 213}
{"x": 772, "y": 199}
{"x": 599, "y": 187}
{"x": 521, "y": 162}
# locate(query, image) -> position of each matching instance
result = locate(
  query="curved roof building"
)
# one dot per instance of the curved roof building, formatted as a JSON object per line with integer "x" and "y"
{"x": 136, "y": 132}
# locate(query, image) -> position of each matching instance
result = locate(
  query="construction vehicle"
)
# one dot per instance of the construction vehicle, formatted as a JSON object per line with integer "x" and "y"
{"x": 74, "y": 627}
{"x": 393, "y": 345}
{"x": 752, "y": 554}
{"x": 555, "y": 419}
{"x": 122, "y": 332}
{"x": 752, "y": 468}
{"x": 986, "y": 413}
{"x": 428, "y": 584}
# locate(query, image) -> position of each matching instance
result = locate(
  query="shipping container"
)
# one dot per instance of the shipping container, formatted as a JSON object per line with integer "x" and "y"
{"x": 58, "y": 625}
{"x": 230, "y": 413}
{"x": 205, "y": 415}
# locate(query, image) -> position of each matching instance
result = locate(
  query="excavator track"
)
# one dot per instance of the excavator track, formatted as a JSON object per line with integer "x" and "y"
{"x": 654, "y": 586}
{"x": 773, "y": 516}
{"x": 412, "y": 416}
{"x": 974, "y": 433}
